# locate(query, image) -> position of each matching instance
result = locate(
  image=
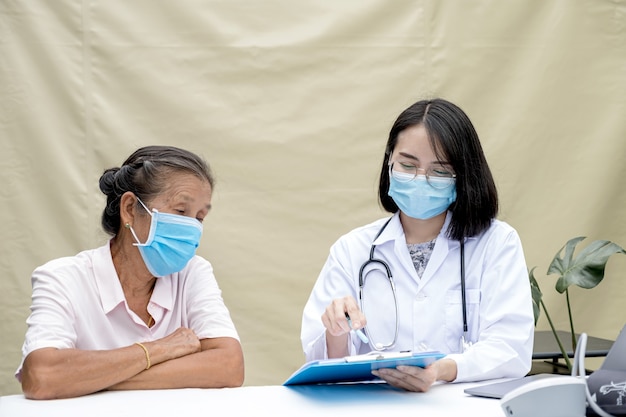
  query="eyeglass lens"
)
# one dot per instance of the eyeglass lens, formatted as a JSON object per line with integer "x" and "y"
{"x": 438, "y": 175}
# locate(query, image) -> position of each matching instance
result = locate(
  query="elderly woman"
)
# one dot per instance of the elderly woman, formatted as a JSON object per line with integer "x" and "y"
{"x": 142, "y": 311}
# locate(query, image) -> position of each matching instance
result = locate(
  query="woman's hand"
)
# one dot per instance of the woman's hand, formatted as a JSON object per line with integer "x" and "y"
{"x": 414, "y": 378}
{"x": 337, "y": 327}
{"x": 181, "y": 342}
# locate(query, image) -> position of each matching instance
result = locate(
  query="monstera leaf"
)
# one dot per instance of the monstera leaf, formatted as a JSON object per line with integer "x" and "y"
{"x": 538, "y": 304}
{"x": 585, "y": 270}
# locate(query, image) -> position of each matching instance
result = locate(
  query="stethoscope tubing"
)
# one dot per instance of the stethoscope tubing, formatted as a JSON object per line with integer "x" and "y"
{"x": 393, "y": 287}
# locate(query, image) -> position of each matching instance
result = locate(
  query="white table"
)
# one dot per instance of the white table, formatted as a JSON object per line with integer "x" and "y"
{"x": 374, "y": 399}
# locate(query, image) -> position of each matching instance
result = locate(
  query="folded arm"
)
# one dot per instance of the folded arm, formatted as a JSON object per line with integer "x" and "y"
{"x": 178, "y": 360}
{"x": 220, "y": 364}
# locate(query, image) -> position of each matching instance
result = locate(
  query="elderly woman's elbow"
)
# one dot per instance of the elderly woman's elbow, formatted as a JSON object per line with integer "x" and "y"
{"x": 36, "y": 386}
{"x": 236, "y": 375}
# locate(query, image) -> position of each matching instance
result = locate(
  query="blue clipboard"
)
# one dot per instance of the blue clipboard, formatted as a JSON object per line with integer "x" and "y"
{"x": 357, "y": 368}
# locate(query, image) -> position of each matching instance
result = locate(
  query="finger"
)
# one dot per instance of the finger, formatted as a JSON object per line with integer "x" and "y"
{"x": 356, "y": 317}
{"x": 351, "y": 308}
{"x": 339, "y": 314}
{"x": 389, "y": 377}
{"x": 424, "y": 377}
{"x": 413, "y": 371}
{"x": 400, "y": 379}
{"x": 331, "y": 325}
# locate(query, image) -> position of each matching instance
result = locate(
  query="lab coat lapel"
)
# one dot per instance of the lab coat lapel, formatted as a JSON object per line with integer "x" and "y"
{"x": 442, "y": 247}
{"x": 394, "y": 234}
{"x": 440, "y": 252}
{"x": 402, "y": 252}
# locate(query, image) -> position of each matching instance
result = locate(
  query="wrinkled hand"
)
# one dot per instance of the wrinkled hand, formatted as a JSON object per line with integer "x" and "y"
{"x": 181, "y": 342}
{"x": 410, "y": 378}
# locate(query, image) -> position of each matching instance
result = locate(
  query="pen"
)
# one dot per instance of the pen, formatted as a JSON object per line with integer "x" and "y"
{"x": 358, "y": 332}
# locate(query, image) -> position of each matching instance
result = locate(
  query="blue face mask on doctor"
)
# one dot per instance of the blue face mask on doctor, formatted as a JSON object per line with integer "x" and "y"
{"x": 417, "y": 197}
{"x": 171, "y": 243}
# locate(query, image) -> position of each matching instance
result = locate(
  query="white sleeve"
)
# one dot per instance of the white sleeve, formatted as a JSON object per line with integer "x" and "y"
{"x": 334, "y": 281}
{"x": 52, "y": 313}
{"x": 207, "y": 313}
{"x": 505, "y": 343}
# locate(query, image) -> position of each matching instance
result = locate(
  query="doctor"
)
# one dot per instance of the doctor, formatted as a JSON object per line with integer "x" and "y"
{"x": 442, "y": 273}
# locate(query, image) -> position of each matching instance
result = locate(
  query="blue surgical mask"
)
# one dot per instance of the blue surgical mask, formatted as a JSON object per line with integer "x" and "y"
{"x": 418, "y": 199}
{"x": 172, "y": 242}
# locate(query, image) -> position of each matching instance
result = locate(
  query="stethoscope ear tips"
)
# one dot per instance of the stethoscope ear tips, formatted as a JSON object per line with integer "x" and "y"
{"x": 379, "y": 346}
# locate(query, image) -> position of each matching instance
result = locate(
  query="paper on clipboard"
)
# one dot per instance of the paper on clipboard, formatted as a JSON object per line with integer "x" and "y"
{"x": 357, "y": 368}
{"x": 368, "y": 357}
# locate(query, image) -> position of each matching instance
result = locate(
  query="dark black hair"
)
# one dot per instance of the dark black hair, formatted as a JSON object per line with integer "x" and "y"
{"x": 146, "y": 174}
{"x": 453, "y": 139}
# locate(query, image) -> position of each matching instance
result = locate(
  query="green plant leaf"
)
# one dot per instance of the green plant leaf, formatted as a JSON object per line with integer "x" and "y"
{"x": 536, "y": 294}
{"x": 585, "y": 270}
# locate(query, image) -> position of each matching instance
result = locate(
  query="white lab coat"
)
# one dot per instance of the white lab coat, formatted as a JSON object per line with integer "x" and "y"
{"x": 499, "y": 304}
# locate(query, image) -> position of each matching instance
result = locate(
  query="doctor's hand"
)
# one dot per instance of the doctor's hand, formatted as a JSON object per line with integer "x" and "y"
{"x": 337, "y": 326}
{"x": 414, "y": 378}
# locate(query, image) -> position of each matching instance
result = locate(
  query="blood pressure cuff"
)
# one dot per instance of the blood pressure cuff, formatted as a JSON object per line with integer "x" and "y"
{"x": 608, "y": 389}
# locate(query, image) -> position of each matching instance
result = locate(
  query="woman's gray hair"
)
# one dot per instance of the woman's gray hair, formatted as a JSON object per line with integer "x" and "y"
{"x": 146, "y": 173}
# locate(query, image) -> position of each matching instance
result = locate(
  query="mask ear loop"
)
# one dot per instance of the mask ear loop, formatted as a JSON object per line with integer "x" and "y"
{"x": 137, "y": 241}
{"x": 144, "y": 206}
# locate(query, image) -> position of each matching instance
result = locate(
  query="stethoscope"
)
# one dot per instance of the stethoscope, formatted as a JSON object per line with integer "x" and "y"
{"x": 465, "y": 343}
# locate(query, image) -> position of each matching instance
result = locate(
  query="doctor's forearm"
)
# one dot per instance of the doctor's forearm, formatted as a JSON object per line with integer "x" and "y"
{"x": 446, "y": 370}
{"x": 337, "y": 346}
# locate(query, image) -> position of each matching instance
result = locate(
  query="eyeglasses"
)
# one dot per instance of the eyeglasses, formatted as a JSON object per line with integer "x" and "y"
{"x": 438, "y": 175}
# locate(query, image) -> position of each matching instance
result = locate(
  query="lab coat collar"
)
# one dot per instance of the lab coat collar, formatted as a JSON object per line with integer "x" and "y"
{"x": 394, "y": 230}
{"x": 391, "y": 232}
{"x": 443, "y": 247}
{"x": 443, "y": 236}
{"x": 395, "y": 233}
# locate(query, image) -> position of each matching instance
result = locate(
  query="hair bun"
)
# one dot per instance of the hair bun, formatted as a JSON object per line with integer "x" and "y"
{"x": 107, "y": 181}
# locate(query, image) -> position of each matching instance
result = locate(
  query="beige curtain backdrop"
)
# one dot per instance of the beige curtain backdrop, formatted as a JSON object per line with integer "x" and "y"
{"x": 291, "y": 103}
